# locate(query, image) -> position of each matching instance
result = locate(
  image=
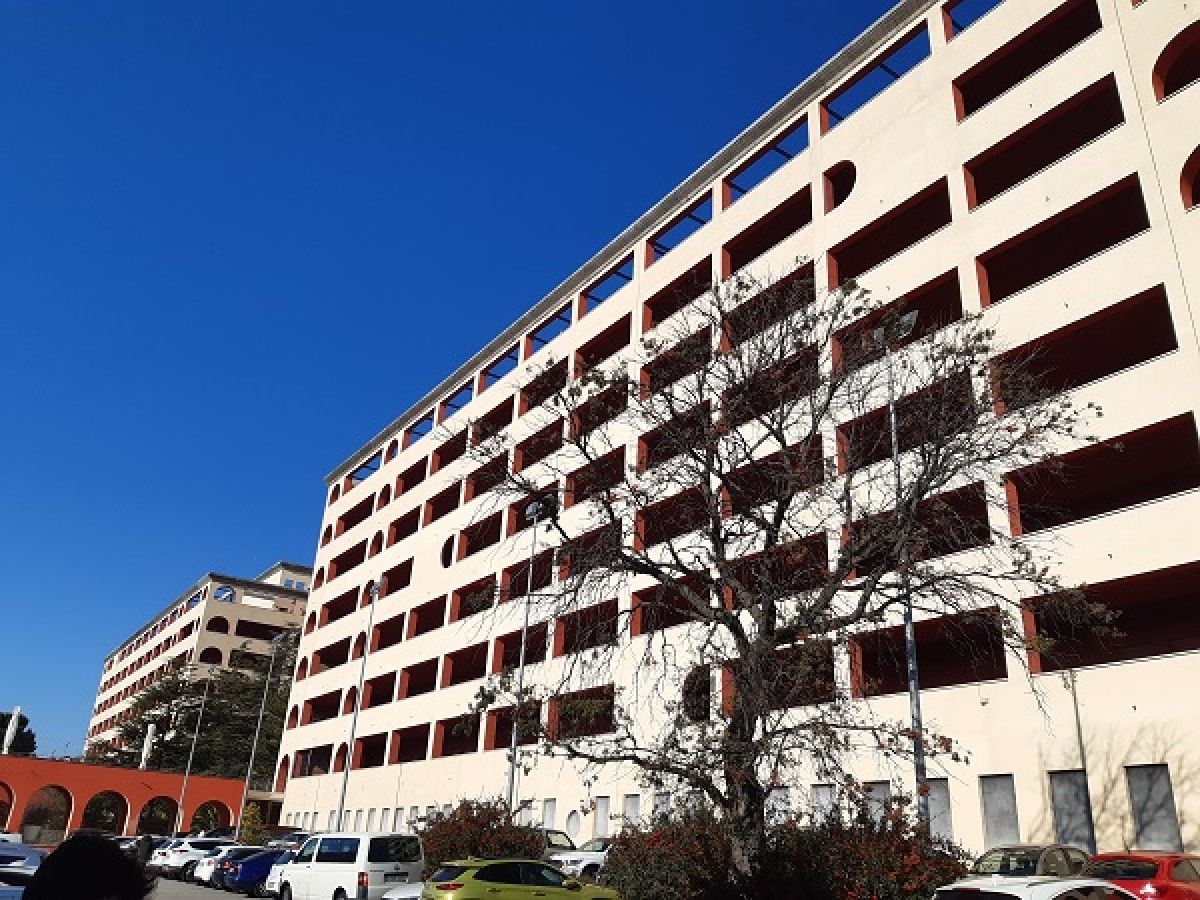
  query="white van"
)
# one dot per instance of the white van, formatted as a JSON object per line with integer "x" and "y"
{"x": 352, "y": 865}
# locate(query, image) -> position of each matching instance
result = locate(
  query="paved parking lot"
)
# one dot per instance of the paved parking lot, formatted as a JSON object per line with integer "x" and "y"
{"x": 177, "y": 890}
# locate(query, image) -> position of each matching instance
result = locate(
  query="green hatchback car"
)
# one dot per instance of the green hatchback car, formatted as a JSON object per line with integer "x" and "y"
{"x": 508, "y": 879}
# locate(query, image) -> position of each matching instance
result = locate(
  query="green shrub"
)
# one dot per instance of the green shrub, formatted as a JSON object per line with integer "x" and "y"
{"x": 478, "y": 828}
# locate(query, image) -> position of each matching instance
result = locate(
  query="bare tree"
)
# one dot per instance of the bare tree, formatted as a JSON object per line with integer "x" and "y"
{"x": 762, "y": 527}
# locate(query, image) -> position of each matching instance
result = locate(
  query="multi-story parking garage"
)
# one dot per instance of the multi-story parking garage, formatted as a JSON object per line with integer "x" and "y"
{"x": 1034, "y": 160}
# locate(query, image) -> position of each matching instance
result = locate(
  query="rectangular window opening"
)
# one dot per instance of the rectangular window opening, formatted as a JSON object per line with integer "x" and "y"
{"x": 961, "y": 649}
{"x": 507, "y": 653}
{"x": 681, "y": 292}
{"x": 499, "y": 367}
{"x": 1138, "y": 467}
{"x": 456, "y": 736}
{"x": 428, "y": 616}
{"x": 452, "y": 449}
{"x": 684, "y": 226}
{"x": 1124, "y": 335}
{"x": 685, "y": 358}
{"x": 583, "y": 713}
{"x": 603, "y": 346}
{"x": 771, "y": 306}
{"x": 595, "y": 479}
{"x": 604, "y": 288}
{"x": 944, "y": 524}
{"x": 960, "y": 15}
{"x": 900, "y": 59}
{"x": 517, "y": 580}
{"x": 419, "y": 678}
{"x": 418, "y": 429}
{"x": 937, "y": 304}
{"x": 389, "y": 633}
{"x": 467, "y": 664}
{"x": 403, "y": 527}
{"x": 491, "y": 424}
{"x": 478, "y": 536}
{"x": 474, "y": 598}
{"x": 784, "y": 148}
{"x": 411, "y": 477}
{"x": 499, "y": 733}
{"x": 1088, "y": 229}
{"x": 366, "y": 469}
{"x": 548, "y": 331}
{"x": 673, "y": 517}
{"x": 379, "y": 690}
{"x": 600, "y": 409}
{"x": 586, "y": 629}
{"x": 442, "y": 504}
{"x": 1033, "y": 49}
{"x": 410, "y": 744}
{"x": 455, "y": 402}
{"x": 770, "y": 231}
{"x": 1051, "y": 137}
{"x": 487, "y": 477}
{"x": 544, "y": 386}
{"x": 538, "y": 446}
{"x": 891, "y": 234}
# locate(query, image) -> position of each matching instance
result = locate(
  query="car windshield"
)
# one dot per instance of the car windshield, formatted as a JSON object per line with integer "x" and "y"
{"x": 1121, "y": 869}
{"x": 446, "y": 873}
{"x": 1007, "y": 861}
{"x": 596, "y": 845}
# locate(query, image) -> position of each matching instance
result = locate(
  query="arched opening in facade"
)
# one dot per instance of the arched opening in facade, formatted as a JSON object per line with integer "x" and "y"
{"x": 158, "y": 816}
{"x": 1189, "y": 181}
{"x": 339, "y": 761}
{"x": 302, "y": 669}
{"x": 385, "y": 497}
{"x": 392, "y": 449}
{"x": 320, "y": 579}
{"x": 310, "y": 625}
{"x": 47, "y": 815}
{"x": 376, "y": 544}
{"x": 281, "y": 775}
{"x": 839, "y": 184}
{"x": 348, "y": 703}
{"x": 365, "y": 600}
{"x": 219, "y": 624}
{"x": 335, "y": 493}
{"x": 1179, "y": 64}
{"x": 327, "y": 535}
{"x": 6, "y": 805}
{"x": 360, "y": 646}
{"x": 210, "y": 815}
{"x": 211, "y": 655}
{"x": 106, "y": 811}
{"x": 293, "y": 718}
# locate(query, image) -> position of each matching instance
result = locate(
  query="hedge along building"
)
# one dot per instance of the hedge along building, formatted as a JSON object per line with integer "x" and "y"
{"x": 220, "y": 621}
{"x": 1033, "y": 159}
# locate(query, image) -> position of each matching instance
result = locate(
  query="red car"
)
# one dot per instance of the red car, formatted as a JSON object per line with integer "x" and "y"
{"x": 1150, "y": 874}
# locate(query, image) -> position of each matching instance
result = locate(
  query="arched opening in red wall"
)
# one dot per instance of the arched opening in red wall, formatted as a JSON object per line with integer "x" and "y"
{"x": 210, "y": 815}
{"x": 106, "y": 811}
{"x": 281, "y": 775}
{"x": 157, "y": 816}
{"x": 47, "y": 814}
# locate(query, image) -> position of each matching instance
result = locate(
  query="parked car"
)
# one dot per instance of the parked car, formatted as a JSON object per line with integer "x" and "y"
{"x": 357, "y": 864}
{"x": 409, "y": 891}
{"x": 1034, "y": 887}
{"x": 271, "y": 885}
{"x": 226, "y": 863}
{"x": 584, "y": 863}
{"x": 556, "y": 841}
{"x": 18, "y": 863}
{"x": 181, "y": 859}
{"x": 293, "y": 841}
{"x": 513, "y": 879}
{"x": 159, "y": 857}
{"x": 248, "y": 875}
{"x": 202, "y": 872}
{"x": 1024, "y": 860}
{"x": 1149, "y": 873}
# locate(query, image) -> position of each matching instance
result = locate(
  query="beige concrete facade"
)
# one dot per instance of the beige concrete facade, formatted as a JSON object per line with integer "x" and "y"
{"x": 1137, "y": 718}
{"x": 216, "y": 621}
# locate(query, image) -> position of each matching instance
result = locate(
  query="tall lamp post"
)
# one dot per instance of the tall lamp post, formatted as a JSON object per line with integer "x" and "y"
{"x": 885, "y": 336}
{"x": 542, "y": 506}
{"x": 187, "y": 772}
{"x": 262, "y": 707}
{"x": 373, "y": 592}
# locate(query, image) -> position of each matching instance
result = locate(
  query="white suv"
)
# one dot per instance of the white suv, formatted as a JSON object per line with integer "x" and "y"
{"x": 182, "y": 857}
{"x": 586, "y": 862}
{"x": 351, "y": 865}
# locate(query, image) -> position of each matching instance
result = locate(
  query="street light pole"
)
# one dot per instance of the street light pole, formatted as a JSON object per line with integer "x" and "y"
{"x": 373, "y": 592}
{"x": 901, "y": 329}
{"x": 187, "y": 772}
{"x": 533, "y": 511}
{"x": 262, "y": 707}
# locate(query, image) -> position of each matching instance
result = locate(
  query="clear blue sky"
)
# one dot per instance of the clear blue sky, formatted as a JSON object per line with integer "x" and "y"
{"x": 239, "y": 237}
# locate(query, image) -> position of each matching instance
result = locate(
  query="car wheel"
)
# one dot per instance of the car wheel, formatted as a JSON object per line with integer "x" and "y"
{"x": 285, "y": 891}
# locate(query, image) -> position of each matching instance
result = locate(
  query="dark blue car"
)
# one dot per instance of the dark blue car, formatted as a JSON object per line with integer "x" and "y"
{"x": 247, "y": 875}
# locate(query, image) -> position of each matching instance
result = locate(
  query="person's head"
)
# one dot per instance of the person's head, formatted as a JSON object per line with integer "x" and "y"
{"x": 88, "y": 867}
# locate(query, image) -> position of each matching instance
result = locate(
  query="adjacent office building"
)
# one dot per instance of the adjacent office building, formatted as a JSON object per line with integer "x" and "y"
{"x": 1036, "y": 160}
{"x": 220, "y": 621}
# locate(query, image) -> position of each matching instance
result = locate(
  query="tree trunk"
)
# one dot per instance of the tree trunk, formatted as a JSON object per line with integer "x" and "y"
{"x": 745, "y": 809}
